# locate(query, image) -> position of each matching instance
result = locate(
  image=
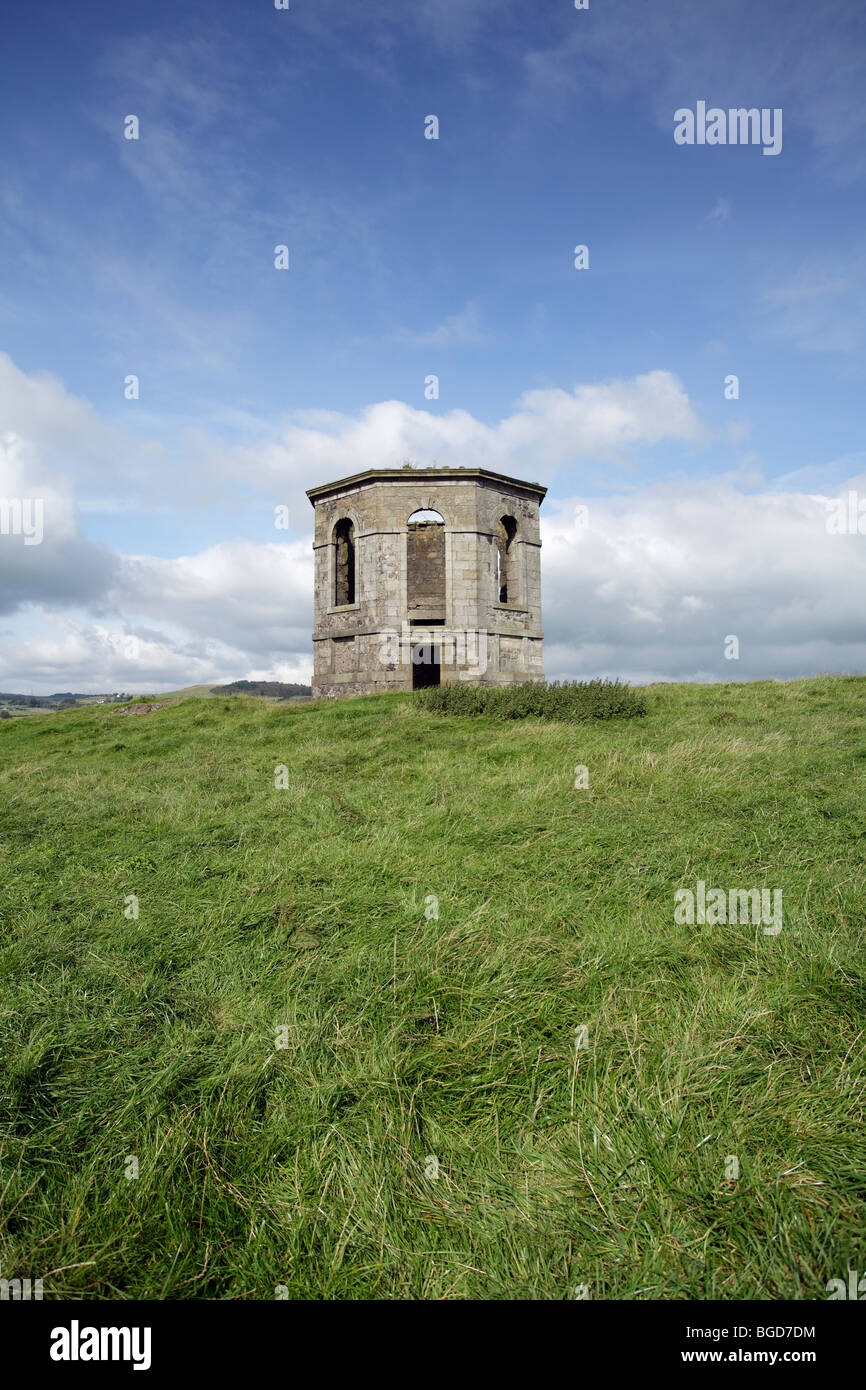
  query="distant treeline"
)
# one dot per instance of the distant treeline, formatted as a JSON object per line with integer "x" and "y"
{"x": 275, "y": 690}
{"x": 64, "y": 697}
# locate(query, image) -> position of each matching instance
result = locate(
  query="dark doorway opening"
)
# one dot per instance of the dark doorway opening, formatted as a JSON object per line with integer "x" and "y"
{"x": 426, "y": 665}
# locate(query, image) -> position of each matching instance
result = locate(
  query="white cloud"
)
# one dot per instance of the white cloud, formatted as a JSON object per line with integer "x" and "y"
{"x": 653, "y": 584}
{"x": 63, "y": 436}
{"x": 54, "y": 652}
{"x": 550, "y": 429}
{"x": 56, "y": 564}
{"x": 66, "y": 439}
{"x": 255, "y": 598}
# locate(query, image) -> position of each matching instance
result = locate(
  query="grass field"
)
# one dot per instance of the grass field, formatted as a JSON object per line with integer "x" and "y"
{"x": 331, "y": 1092}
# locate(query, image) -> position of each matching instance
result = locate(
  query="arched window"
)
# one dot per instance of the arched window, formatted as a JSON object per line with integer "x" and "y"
{"x": 425, "y": 566}
{"x": 506, "y": 576}
{"x": 344, "y": 562}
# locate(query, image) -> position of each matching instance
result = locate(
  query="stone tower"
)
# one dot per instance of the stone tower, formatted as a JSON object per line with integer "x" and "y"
{"x": 426, "y": 575}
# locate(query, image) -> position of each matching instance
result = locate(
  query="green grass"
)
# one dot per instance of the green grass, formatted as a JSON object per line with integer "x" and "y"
{"x": 409, "y": 1037}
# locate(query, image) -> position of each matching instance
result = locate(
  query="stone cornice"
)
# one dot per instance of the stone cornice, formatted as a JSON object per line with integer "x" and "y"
{"x": 416, "y": 475}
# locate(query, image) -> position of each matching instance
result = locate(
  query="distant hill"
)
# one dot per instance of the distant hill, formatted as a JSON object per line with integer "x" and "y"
{"x": 272, "y": 690}
{"x": 12, "y": 704}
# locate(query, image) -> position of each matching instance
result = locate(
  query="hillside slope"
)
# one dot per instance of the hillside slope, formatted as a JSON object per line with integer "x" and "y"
{"x": 327, "y": 1087}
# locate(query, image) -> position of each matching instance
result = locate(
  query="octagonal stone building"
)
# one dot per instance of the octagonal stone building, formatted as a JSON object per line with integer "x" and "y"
{"x": 426, "y": 575}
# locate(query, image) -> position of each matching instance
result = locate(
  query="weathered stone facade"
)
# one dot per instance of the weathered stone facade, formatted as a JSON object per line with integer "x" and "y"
{"x": 404, "y": 600}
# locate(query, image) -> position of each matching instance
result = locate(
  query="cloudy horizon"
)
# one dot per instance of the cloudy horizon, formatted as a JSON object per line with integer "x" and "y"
{"x": 682, "y": 510}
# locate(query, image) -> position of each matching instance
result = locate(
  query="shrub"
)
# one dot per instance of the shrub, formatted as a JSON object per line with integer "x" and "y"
{"x": 568, "y": 701}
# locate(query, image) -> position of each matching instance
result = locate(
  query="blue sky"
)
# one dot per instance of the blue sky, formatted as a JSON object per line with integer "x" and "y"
{"x": 160, "y": 564}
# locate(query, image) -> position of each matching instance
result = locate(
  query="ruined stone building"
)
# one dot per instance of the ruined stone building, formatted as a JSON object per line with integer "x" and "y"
{"x": 425, "y": 575}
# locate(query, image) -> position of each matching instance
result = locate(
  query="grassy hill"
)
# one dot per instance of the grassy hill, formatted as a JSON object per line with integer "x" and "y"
{"x": 17, "y": 705}
{"x": 275, "y": 690}
{"x": 331, "y": 1090}
{"x": 199, "y": 692}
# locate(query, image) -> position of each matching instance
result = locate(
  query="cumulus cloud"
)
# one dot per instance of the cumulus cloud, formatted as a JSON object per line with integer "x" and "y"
{"x": 110, "y": 469}
{"x": 54, "y": 652}
{"x": 44, "y": 557}
{"x": 63, "y": 435}
{"x": 648, "y": 587}
{"x": 549, "y": 429}
{"x": 255, "y": 598}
